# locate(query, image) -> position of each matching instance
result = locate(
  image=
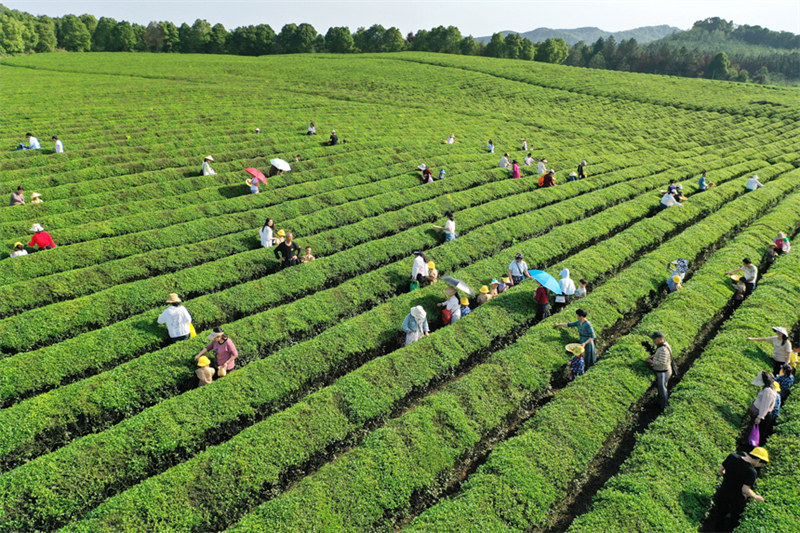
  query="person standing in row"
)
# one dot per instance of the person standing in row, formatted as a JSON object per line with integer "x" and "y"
{"x": 224, "y": 349}
{"x": 415, "y": 325}
{"x": 33, "y": 143}
{"x": 490, "y": 147}
{"x": 764, "y": 408}
{"x": 542, "y": 302}
{"x": 59, "y": 145}
{"x": 750, "y": 274}
{"x": 18, "y": 196}
{"x": 449, "y": 228}
{"x": 586, "y": 335}
{"x": 419, "y": 270}
{"x": 452, "y": 306}
{"x": 267, "y": 234}
{"x": 541, "y": 167}
{"x": 738, "y": 479}
{"x": 528, "y": 161}
{"x": 287, "y": 251}
{"x": 663, "y": 365}
{"x": 177, "y": 319}
{"x": 515, "y": 169}
{"x": 41, "y": 238}
{"x": 782, "y": 347}
{"x": 504, "y": 161}
{"x": 703, "y": 184}
{"x": 433, "y": 274}
{"x": 580, "y": 292}
{"x": 668, "y": 200}
{"x": 567, "y": 287}
{"x": 518, "y": 270}
{"x": 581, "y": 173}
{"x": 524, "y": 144}
{"x": 206, "y": 170}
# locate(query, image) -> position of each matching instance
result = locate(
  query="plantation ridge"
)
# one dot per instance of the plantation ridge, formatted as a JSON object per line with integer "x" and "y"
{"x": 332, "y": 378}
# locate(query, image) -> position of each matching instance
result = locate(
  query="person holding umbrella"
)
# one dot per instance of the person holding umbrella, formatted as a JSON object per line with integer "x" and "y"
{"x": 452, "y": 306}
{"x": 277, "y": 167}
{"x": 258, "y": 176}
{"x": 207, "y": 170}
{"x": 542, "y": 302}
{"x": 518, "y": 270}
{"x": 287, "y": 251}
{"x": 415, "y": 325}
{"x": 586, "y": 335}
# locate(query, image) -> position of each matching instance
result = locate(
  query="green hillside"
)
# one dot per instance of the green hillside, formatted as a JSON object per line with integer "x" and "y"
{"x": 328, "y": 422}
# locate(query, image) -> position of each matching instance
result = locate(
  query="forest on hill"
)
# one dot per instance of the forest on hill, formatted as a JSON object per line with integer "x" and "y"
{"x": 713, "y": 48}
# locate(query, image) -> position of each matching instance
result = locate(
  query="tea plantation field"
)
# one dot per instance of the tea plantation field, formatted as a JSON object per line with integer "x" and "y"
{"x": 328, "y": 423}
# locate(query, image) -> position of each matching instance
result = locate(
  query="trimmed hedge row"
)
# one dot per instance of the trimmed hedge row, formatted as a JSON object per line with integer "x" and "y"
{"x": 526, "y": 476}
{"x": 261, "y": 386}
{"x": 685, "y": 446}
{"x": 778, "y": 481}
{"x": 265, "y": 382}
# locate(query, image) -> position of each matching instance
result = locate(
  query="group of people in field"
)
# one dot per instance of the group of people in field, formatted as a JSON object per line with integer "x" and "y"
{"x": 674, "y": 195}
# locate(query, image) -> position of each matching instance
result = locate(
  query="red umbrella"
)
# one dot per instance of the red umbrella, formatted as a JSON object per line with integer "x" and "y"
{"x": 257, "y": 175}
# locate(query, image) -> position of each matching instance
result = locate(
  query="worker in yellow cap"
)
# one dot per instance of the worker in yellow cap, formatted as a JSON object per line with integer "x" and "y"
{"x": 204, "y": 372}
{"x": 433, "y": 274}
{"x": 465, "y": 310}
{"x": 484, "y": 295}
{"x": 674, "y": 283}
{"x": 19, "y": 249}
{"x": 738, "y": 477}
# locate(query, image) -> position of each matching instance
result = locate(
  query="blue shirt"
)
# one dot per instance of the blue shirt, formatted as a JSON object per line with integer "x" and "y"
{"x": 701, "y": 183}
{"x": 465, "y": 310}
{"x": 577, "y": 366}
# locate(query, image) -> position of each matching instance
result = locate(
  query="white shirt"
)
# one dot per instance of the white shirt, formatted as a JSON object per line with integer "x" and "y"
{"x": 503, "y": 162}
{"x": 580, "y": 291}
{"x": 19, "y": 253}
{"x": 753, "y": 184}
{"x": 669, "y": 200}
{"x": 567, "y": 286}
{"x": 450, "y": 227}
{"x": 518, "y": 269}
{"x": 528, "y": 161}
{"x": 207, "y": 170}
{"x": 541, "y": 168}
{"x": 750, "y": 273}
{"x": 491, "y": 148}
{"x": 59, "y": 147}
{"x": 451, "y": 140}
{"x": 34, "y": 143}
{"x": 525, "y": 145}
{"x": 177, "y": 320}
{"x": 420, "y": 267}
{"x": 266, "y": 237}
{"x": 454, "y": 306}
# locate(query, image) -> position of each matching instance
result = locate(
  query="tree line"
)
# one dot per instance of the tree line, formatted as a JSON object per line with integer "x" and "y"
{"x": 21, "y": 32}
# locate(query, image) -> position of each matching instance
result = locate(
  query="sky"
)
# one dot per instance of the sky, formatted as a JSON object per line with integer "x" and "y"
{"x": 477, "y": 18}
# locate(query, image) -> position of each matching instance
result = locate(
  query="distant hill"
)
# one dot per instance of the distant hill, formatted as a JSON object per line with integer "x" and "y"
{"x": 645, "y": 34}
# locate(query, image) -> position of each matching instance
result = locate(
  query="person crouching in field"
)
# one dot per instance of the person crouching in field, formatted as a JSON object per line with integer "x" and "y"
{"x": 225, "y": 350}
{"x": 204, "y": 372}
{"x": 206, "y": 170}
{"x": 41, "y": 238}
{"x": 177, "y": 319}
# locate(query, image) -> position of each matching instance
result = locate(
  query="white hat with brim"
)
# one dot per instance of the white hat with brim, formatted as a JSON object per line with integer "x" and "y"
{"x": 35, "y": 195}
{"x": 780, "y": 329}
{"x": 212, "y": 336}
{"x": 758, "y": 381}
{"x": 37, "y": 228}
{"x": 422, "y": 167}
{"x": 209, "y": 158}
{"x": 573, "y": 174}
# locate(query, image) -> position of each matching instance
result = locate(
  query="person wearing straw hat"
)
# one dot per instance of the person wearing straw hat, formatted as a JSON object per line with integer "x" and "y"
{"x": 19, "y": 250}
{"x": 36, "y": 198}
{"x": 225, "y": 350}
{"x": 204, "y": 371}
{"x": 427, "y": 175}
{"x": 518, "y": 270}
{"x": 586, "y": 335}
{"x": 41, "y": 238}
{"x": 782, "y": 347}
{"x": 577, "y": 366}
{"x": 18, "y": 196}
{"x": 177, "y": 319}
{"x": 451, "y": 139}
{"x": 765, "y": 406}
{"x": 433, "y": 274}
{"x": 452, "y": 306}
{"x": 750, "y": 274}
{"x": 484, "y": 295}
{"x": 753, "y": 183}
{"x": 739, "y": 288}
{"x": 573, "y": 176}
{"x": 415, "y": 325}
{"x": 465, "y": 310}
{"x": 334, "y": 139}
{"x": 581, "y": 173}
{"x": 738, "y": 479}
{"x": 781, "y": 242}
{"x": 207, "y": 170}
{"x": 663, "y": 365}
{"x": 771, "y": 254}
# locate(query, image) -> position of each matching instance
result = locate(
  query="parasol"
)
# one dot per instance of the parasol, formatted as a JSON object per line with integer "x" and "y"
{"x": 548, "y": 281}
{"x": 280, "y": 164}
{"x": 257, "y": 175}
{"x": 458, "y": 284}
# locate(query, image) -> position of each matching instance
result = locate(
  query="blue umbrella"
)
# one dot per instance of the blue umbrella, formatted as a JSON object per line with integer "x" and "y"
{"x": 545, "y": 279}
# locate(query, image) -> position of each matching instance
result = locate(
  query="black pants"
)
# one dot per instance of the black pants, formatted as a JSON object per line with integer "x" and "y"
{"x": 749, "y": 287}
{"x": 517, "y": 279}
{"x": 776, "y": 367}
{"x": 727, "y": 506}
{"x": 558, "y": 306}
{"x": 181, "y": 338}
{"x": 542, "y": 311}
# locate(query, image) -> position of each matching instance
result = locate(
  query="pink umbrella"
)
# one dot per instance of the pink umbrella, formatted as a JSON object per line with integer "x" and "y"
{"x": 257, "y": 175}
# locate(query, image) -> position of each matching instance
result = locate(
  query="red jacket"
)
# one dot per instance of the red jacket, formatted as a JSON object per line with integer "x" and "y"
{"x": 541, "y": 296}
{"x": 42, "y": 240}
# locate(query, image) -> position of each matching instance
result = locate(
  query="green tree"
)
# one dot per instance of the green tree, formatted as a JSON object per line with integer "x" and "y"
{"x": 496, "y": 46}
{"x": 579, "y": 55}
{"x": 217, "y": 40}
{"x": 154, "y": 37}
{"x": 200, "y": 36}
{"x": 124, "y": 38}
{"x": 252, "y": 40}
{"x": 103, "y": 34}
{"x": 89, "y": 21}
{"x": 528, "y": 51}
{"x": 468, "y": 46}
{"x": 719, "y": 68}
{"x": 185, "y": 38}
{"x": 76, "y": 37}
{"x": 513, "y": 46}
{"x": 444, "y": 40}
{"x": 597, "y": 61}
{"x": 552, "y": 51}
{"x": 761, "y": 75}
{"x": 46, "y": 29}
{"x": 743, "y": 75}
{"x": 339, "y": 40}
{"x": 30, "y": 34}
{"x": 11, "y": 39}
{"x": 392, "y": 41}
{"x": 286, "y": 38}
{"x": 171, "y": 38}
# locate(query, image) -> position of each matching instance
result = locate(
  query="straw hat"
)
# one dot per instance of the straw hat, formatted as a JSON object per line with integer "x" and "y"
{"x": 431, "y": 264}
{"x": 208, "y": 158}
{"x": 203, "y": 361}
{"x": 736, "y": 277}
{"x": 173, "y": 299}
{"x": 249, "y": 182}
{"x": 573, "y": 174}
{"x": 484, "y": 289}
{"x": 450, "y": 291}
{"x": 464, "y": 300}
{"x": 422, "y": 167}
{"x": 575, "y": 348}
{"x": 37, "y": 195}
{"x": 281, "y": 233}
{"x": 36, "y": 228}
{"x": 584, "y": 162}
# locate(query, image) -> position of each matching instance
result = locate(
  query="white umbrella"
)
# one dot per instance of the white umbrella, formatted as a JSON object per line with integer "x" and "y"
{"x": 458, "y": 284}
{"x": 280, "y": 164}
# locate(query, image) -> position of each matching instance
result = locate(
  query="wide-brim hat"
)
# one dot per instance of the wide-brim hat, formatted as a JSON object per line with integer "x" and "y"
{"x": 505, "y": 280}
{"x": 573, "y": 174}
{"x": 281, "y": 233}
{"x": 544, "y": 160}
{"x": 484, "y": 289}
{"x": 575, "y": 348}
{"x": 584, "y": 162}
{"x": 781, "y": 235}
{"x": 422, "y": 167}
{"x": 431, "y": 264}
{"x": 203, "y": 361}
{"x": 758, "y": 381}
{"x": 37, "y": 195}
{"x": 450, "y": 291}
{"x": 173, "y": 298}
{"x": 36, "y": 228}
{"x": 249, "y": 182}
{"x": 18, "y": 244}
{"x": 213, "y": 335}
{"x": 759, "y": 453}
{"x": 736, "y": 277}
{"x": 780, "y": 329}
{"x": 208, "y": 158}
{"x": 464, "y": 300}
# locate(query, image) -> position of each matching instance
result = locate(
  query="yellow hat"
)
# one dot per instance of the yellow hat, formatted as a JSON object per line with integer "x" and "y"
{"x": 281, "y": 233}
{"x": 431, "y": 264}
{"x": 676, "y": 279}
{"x": 203, "y": 361}
{"x": 17, "y": 244}
{"x": 760, "y": 453}
{"x": 575, "y": 348}
{"x": 505, "y": 280}
{"x": 464, "y": 300}
{"x": 484, "y": 289}
{"x": 736, "y": 277}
